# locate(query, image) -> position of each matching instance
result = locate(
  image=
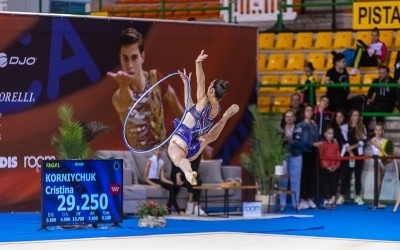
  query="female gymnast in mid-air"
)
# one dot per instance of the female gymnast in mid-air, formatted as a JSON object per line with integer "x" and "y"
{"x": 196, "y": 130}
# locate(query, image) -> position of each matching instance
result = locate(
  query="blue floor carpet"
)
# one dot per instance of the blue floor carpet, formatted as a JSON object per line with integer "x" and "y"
{"x": 347, "y": 221}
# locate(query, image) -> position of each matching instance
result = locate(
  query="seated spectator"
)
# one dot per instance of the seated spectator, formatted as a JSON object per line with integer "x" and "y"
{"x": 304, "y": 91}
{"x": 369, "y": 55}
{"x": 153, "y": 174}
{"x": 397, "y": 77}
{"x": 380, "y": 98}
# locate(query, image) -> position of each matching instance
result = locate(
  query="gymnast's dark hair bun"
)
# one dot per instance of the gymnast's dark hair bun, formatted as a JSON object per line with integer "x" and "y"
{"x": 221, "y": 87}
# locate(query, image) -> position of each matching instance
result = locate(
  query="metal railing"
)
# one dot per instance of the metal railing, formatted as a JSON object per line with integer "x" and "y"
{"x": 338, "y": 85}
{"x": 163, "y": 9}
{"x": 283, "y": 5}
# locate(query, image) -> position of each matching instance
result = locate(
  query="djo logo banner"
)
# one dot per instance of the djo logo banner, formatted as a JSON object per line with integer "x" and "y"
{"x": 16, "y": 60}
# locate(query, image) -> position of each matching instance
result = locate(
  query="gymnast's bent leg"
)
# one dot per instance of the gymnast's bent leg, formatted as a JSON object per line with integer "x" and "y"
{"x": 178, "y": 156}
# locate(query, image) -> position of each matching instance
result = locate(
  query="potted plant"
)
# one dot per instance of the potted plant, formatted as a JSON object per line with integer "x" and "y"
{"x": 152, "y": 214}
{"x": 266, "y": 149}
{"x": 72, "y": 141}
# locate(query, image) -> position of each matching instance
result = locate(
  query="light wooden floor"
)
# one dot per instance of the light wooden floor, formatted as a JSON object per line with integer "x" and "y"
{"x": 217, "y": 241}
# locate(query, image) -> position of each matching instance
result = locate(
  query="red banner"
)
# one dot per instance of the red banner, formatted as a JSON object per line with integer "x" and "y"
{"x": 48, "y": 60}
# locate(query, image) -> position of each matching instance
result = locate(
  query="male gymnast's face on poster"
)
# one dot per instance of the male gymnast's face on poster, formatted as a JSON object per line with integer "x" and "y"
{"x": 131, "y": 59}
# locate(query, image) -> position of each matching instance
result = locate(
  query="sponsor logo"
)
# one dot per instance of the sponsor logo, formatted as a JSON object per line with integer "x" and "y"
{"x": 16, "y": 60}
{"x": 115, "y": 188}
{"x": 252, "y": 209}
{"x": 36, "y": 161}
{"x": 8, "y": 161}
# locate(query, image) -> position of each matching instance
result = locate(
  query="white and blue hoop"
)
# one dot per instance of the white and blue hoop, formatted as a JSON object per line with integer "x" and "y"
{"x": 177, "y": 127}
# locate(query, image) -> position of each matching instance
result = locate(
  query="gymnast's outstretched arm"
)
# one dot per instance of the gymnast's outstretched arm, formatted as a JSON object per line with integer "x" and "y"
{"x": 185, "y": 79}
{"x": 200, "y": 77}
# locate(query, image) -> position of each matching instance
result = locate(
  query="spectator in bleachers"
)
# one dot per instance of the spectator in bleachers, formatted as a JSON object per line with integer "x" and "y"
{"x": 397, "y": 77}
{"x": 357, "y": 136}
{"x": 322, "y": 116}
{"x": 296, "y": 106}
{"x": 338, "y": 96}
{"x": 293, "y": 144}
{"x": 310, "y": 142}
{"x": 380, "y": 98}
{"x": 304, "y": 91}
{"x": 369, "y": 55}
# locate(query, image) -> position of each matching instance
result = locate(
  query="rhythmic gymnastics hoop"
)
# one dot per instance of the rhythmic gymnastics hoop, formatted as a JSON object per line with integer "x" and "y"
{"x": 177, "y": 127}
{"x": 138, "y": 101}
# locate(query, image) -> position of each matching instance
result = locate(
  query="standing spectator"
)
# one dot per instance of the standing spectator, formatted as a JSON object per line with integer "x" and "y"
{"x": 369, "y": 55}
{"x": 357, "y": 135}
{"x": 296, "y": 106}
{"x": 308, "y": 174}
{"x": 378, "y": 145}
{"x": 292, "y": 142}
{"x": 338, "y": 96}
{"x": 380, "y": 98}
{"x": 329, "y": 150}
{"x": 341, "y": 128}
{"x": 322, "y": 116}
{"x": 304, "y": 91}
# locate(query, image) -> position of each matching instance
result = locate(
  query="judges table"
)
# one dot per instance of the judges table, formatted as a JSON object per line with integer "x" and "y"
{"x": 226, "y": 201}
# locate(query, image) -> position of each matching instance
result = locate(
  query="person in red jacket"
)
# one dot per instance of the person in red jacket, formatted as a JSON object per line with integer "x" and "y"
{"x": 330, "y": 163}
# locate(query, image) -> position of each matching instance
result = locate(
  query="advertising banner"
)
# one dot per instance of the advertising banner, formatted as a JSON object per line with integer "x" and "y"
{"x": 382, "y": 15}
{"x": 48, "y": 60}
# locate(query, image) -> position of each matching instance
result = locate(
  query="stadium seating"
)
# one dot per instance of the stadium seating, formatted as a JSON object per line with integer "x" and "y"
{"x": 317, "y": 59}
{"x": 304, "y": 40}
{"x": 295, "y": 61}
{"x": 276, "y": 62}
{"x": 287, "y": 53}
{"x": 284, "y": 41}
{"x": 266, "y": 41}
{"x": 323, "y": 40}
{"x": 365, "y": 36}
{"x": 272, "y": 79}
{"x": 262, "y": 62}
{"x": 386, "y": 36}
{"x": 343, "y": 39}
{"x": 368, "y": 78}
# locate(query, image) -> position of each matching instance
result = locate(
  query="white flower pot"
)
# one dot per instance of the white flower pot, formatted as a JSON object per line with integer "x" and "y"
{"x": 151, "y": 221}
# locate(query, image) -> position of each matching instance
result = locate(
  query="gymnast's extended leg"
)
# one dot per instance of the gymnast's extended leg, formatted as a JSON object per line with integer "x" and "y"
{"x": 216, "y": 130}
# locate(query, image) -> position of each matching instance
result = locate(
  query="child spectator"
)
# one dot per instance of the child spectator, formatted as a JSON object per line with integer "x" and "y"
{"x": 322, "y": 116}
{"x": 329, "y": 154}
{"x": 304, "y": 91}
{"x": 380, "y": 146}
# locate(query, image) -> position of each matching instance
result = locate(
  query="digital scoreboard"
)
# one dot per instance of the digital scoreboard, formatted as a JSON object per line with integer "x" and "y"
{"x": 81, "y": 192}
